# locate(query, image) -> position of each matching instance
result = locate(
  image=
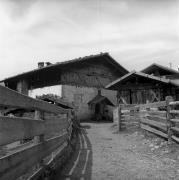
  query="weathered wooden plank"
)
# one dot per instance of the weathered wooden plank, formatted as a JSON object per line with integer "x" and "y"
{"x": 14, "y": 165}
{"x": 159, "y": 125}
{"x": 126, "y": 113}
{"x": 14, "y": 129}
{"x": 128, "y": 106}
{"x": 12, "y": 98}
{"x": 152, "y": 105}
{"x": 36, "y": 175}
{"x": 145, "y": 112}
{"x": 176, "y": 129}
{"x": 56, "y": 124}
{"x": 175, "y": 138}
{"x": 148, "y": 128}
{"x": 175, "y": 120}
{"x": 174, "y": 111}
{"x": 174, "y": 103}
{"x": 156, "y": 117}
{"x": 157, "y": 113}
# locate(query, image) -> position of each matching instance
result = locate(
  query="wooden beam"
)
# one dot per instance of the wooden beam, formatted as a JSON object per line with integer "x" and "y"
{"x": 157, "y": 113}
{"x": 55, "y": 126}
{"x": 14, "y": 129}
{"x": 175, "y": 120}
{"x": 176, "y": 129}
{"x": 156, "y": 117}
{"x": 36, "y": 175}
{"x": 174, "y": 111}
{"x": 159, "y": 125}
{"x": 175, "y": 138}
{"x": 10, "y": 98}
{"x": 152, "y": 130}
{"x": 152, "y": 105}
{"x": 14, "y": 165}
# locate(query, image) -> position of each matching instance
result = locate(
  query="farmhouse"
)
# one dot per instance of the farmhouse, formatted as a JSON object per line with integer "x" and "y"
{"x": 80, "y": 79}
{"x": 152, "y": 84}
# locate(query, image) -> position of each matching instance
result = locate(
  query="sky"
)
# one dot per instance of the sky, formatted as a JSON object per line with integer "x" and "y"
{"x": 136, "y": 33}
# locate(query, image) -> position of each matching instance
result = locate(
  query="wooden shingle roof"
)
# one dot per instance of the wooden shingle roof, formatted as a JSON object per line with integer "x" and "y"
{"x": 53, "y": 74}
{"x": 117, "y": 83}
{"x": 163, "y": 70}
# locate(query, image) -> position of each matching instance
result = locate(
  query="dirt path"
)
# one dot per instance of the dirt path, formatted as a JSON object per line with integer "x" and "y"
{"x": 102, "y": 154}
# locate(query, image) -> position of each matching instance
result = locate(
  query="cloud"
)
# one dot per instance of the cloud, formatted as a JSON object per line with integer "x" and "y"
{"x": 17, "y": 8}
{"x": 131, "y": 30}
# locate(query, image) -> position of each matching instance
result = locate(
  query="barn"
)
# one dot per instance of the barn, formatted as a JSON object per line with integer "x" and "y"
{"x": 80, "y": 79}
{"x": 152, "y": 84}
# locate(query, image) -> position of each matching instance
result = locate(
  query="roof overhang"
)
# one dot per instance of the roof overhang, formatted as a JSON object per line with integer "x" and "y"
{"x": 100, "y": 99}
{"x": 50, "y": 75}
{"x": 115, "y": 85}
{"x": 161, "y": 69}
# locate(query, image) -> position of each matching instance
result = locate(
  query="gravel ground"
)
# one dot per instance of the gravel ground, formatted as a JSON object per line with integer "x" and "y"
{"x": 102, "y": 153}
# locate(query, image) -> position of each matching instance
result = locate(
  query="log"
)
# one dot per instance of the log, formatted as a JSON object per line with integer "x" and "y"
{"x": 174, "y": 111}
{"x": 14, "y": 165}
{"x": 159, "y": 113}
{"x": 176, "y": 129}
{"x": 36, "y": 175}
{"x": 15, "y": 128}
{"x": 10, "y": 98}
{"x": 174, "y": 103}
{"x": 175, "y": 120}
{"x": 175, "y": 138}
{"x": 155, "y": 124}
{"x": 152, "y": 130}
{"x": 152, "y": 105}
{"x": 156, "y": 118}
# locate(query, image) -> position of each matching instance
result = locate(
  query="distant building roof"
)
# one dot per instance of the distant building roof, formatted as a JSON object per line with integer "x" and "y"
{"x": 162, "y": 70}
{"x": 55, "y": 100}
{"x": 100, "y": 99}
{"x": 51, "y": 75}
{"x": 146, "y": 77}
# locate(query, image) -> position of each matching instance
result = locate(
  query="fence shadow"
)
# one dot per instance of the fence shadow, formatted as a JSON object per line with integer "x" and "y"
{"x": 80, "y": 165}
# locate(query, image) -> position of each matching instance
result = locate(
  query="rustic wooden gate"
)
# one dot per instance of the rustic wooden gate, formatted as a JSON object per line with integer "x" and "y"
{"x": 160, "y": 118}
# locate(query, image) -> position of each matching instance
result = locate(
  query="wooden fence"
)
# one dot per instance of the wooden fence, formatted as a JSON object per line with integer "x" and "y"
{"x": 21, "y": 159}
{"x": 160, "y": 118}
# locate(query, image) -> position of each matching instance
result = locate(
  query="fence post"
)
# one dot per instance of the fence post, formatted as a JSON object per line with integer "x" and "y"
{"x": 70, "y": 121}
{"x": 168, "y": 116}
{"x": 39, "y": 115}
{"x": 119, "y": 118}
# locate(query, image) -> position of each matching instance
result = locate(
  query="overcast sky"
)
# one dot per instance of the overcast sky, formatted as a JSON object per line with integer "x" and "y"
{"x": 135, "y": 32}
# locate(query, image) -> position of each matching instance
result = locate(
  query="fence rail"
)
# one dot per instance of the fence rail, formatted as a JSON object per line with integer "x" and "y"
{"x": 14, "y": 129}
{"x": 160, "y": 118}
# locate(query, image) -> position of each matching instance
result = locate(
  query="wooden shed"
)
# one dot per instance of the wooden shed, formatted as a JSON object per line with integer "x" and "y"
{"x": 140, "y": 88}
{"x": 99, "y": 106}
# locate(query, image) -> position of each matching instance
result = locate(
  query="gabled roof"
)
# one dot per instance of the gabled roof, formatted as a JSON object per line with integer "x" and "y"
{"x": 50, "y": 75}
{"x": 99, "y": 99}
{"x": 115, "y": 84}
{"x": 161, "y": 69}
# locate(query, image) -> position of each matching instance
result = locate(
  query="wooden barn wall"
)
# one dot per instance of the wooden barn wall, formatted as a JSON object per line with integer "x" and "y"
{"x": 89, "y": 76}
{"x": 142, "y": 96}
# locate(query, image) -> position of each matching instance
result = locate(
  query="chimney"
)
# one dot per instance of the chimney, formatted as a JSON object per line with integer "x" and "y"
{"x": 48, "y": 63}
{"x": 40, "y": 65}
